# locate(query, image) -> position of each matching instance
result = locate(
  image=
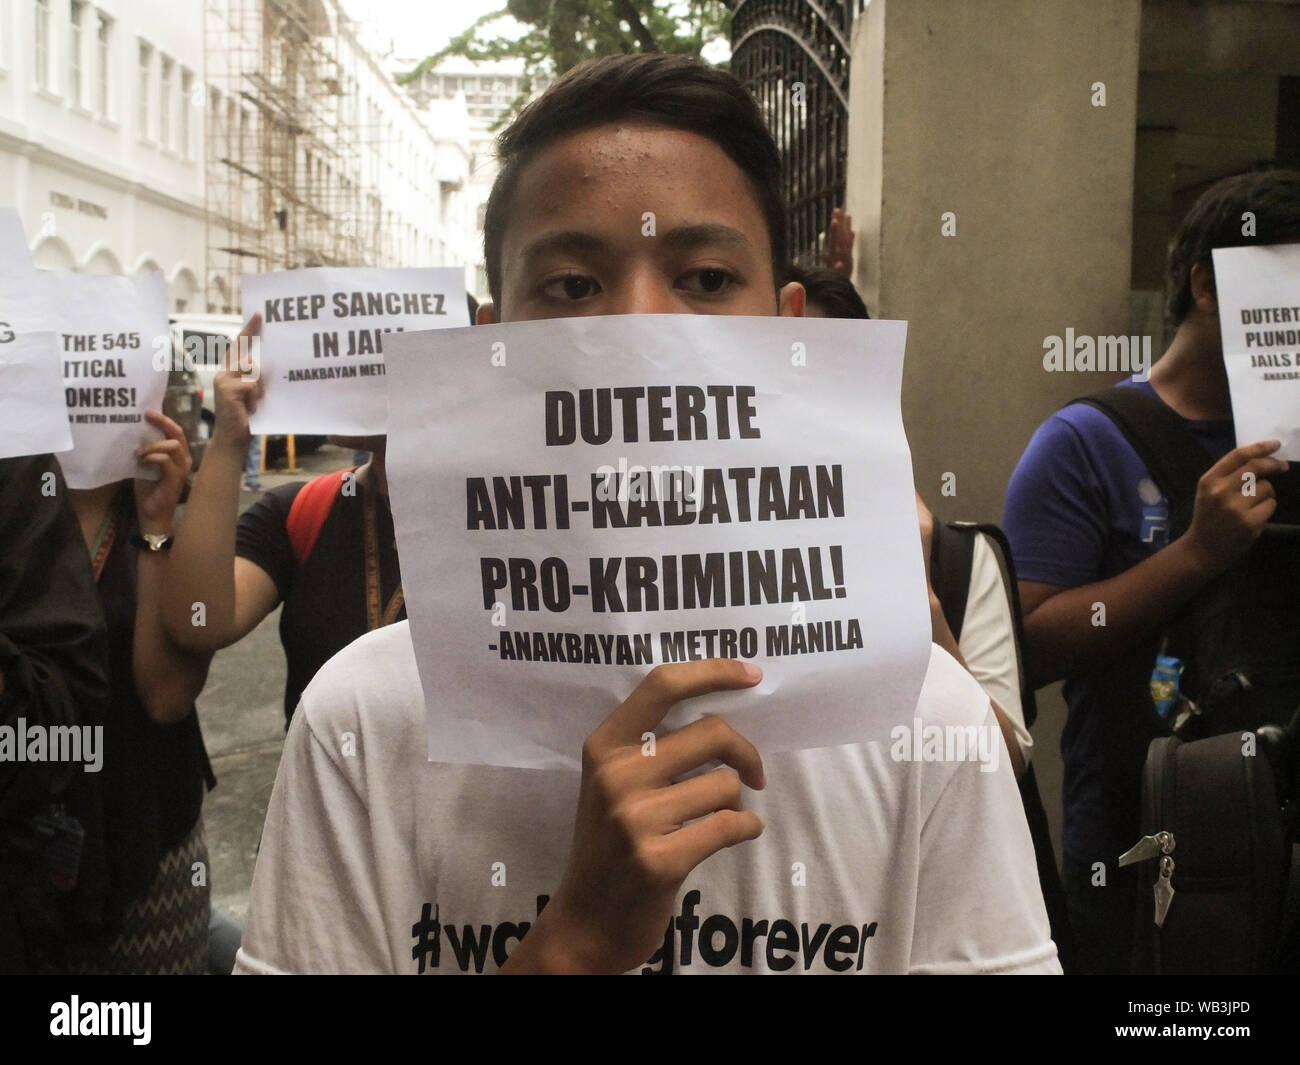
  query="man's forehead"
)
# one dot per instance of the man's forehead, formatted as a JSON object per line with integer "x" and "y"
{"x": 624, "y": 142}
{"x": 685, "y": 236}
{"x": 638, "y": 160}
{"x": 584, "y": 178}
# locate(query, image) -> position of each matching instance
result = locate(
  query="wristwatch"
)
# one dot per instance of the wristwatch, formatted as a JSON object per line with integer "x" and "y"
{"x": 153, "y": 541}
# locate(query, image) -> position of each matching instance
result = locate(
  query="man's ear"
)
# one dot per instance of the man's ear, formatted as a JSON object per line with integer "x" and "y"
{"x": 790, "y": 302}
{"x": 1203, "y": 294}
{"x": 487, "y": 315}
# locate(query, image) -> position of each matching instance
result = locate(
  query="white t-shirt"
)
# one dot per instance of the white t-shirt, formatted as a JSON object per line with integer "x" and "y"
{"x": 987, "y": 641}
{"x": 376, "y": 860}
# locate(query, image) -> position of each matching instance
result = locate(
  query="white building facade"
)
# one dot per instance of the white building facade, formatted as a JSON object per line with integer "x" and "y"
{"x": 100, "y": 149}
{"x": 107, "y": 115}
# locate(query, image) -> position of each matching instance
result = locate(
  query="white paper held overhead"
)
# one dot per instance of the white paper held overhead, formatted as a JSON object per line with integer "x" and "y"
{"x": 322, "y": 342}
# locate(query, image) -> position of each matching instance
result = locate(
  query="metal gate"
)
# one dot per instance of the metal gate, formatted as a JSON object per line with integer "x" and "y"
{"x": 793, "y": 55}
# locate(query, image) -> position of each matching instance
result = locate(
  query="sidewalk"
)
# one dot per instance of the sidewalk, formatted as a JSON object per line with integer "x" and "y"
{"x": 241, "y": 711}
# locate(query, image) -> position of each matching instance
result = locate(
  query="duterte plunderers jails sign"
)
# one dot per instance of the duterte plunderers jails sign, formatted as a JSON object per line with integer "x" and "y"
{"x": 579, "y": 500}
{"x": 1258, "y": 291}
{"x": 322, "y": 340}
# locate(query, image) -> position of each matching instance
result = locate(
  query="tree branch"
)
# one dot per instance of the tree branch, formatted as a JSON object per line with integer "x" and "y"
{"x": 627, "y": 11}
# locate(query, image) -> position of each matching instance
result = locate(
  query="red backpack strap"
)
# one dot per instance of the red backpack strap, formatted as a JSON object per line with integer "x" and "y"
{"x": 311, "y": 506}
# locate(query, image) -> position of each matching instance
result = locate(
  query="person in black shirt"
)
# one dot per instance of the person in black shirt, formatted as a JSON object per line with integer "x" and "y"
{"x": 154, "y": 764}
{"x": 326, "y": 594}
{"x": 53, "y": 674}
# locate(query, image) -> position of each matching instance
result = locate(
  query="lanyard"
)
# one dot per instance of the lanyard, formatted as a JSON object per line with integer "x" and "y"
{"x": 374, "y": 618}
{"x": 103, "y": 541}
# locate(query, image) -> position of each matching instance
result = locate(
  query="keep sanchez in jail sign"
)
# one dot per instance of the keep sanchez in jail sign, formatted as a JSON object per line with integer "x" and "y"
{"x": 324, "y": 332}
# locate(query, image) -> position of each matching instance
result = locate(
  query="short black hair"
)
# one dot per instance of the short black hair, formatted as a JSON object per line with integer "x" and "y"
{"x": 1216, "y": 221}
{"x": 677, "y": 91}
{"x": 830, "y": 290}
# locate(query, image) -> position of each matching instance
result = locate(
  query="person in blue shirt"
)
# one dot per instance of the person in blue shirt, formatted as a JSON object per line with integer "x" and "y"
{"x": 1088, "y": 525}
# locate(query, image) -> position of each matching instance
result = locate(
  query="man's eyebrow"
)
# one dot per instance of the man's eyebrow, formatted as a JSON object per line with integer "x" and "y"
{"x": 700, "y": 234}
{"x": 571, "y": 241}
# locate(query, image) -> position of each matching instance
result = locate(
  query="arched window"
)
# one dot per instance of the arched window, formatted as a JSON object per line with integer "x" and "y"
{"x": 53, "y": 254}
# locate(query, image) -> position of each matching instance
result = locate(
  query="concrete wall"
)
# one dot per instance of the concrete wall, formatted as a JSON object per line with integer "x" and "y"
{"x": 985, "y": 110}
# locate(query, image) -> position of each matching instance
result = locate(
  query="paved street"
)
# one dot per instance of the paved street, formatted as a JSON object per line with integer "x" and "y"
{"x": 242, "y": 714}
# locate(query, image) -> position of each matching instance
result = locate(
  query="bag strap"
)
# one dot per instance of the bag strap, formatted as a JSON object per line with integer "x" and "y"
{"x": 1002, "y": 552}
{"x": 311, "y": 506}
{"x": 1173, "y": 456}
{"x": 952, "y": 553}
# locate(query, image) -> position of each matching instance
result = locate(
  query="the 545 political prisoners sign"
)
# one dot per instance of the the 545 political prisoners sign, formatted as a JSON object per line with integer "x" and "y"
{"x": 579, "y": 500}
{"x": 110, "y": 330}
{"x": 322, "y": 340}
{"x": 106, "y": 331}
{"x": 1258, "y": 290}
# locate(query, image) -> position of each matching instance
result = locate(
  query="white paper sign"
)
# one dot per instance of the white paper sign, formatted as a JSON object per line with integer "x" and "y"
{"x": 578, "y": 500}
{"x": 24, "y": 304}
{"x": 322, "y": 337}
{"x": 33, "y": 417}
{"x": 1258, "y": 292}
{"x": 113, "y": 328}
{"x": 109, "y": 329}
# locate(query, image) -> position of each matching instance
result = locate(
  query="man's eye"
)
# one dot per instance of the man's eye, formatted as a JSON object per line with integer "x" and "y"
{"x": 570, "y": 287}
{"x": 710, "y": 281}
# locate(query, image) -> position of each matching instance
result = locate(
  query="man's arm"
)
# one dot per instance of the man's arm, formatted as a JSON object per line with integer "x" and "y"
{"x": 1062, "y": 635}
{"x": 234, "y": 593}
{"x": 53, "y": 647}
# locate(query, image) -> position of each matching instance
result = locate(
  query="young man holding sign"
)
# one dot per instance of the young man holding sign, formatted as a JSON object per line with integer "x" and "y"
{"x": 843, "y": 861}
{"x": 1101, "y": 575}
